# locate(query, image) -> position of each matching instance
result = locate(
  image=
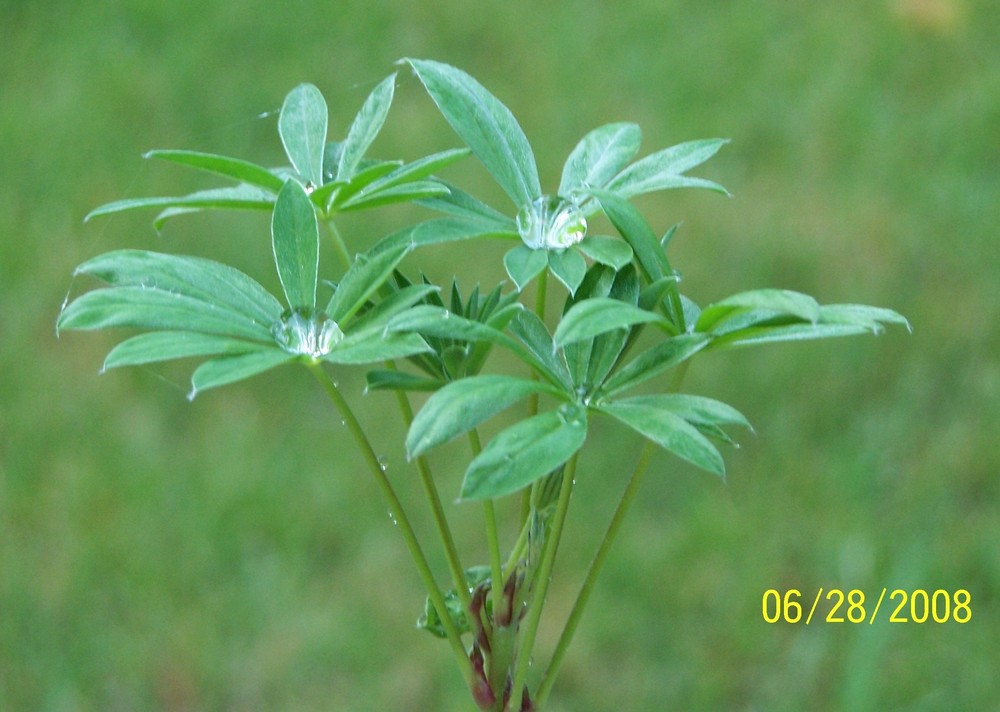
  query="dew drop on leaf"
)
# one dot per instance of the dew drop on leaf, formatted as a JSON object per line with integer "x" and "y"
{"x": 306, "y": 332}
{"x": 551, "y": 223}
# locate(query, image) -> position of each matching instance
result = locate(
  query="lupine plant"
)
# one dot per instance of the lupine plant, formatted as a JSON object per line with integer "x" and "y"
{"x": 624, "y": 325}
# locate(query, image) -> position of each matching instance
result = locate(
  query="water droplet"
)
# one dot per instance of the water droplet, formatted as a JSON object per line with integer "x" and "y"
{"x": 551, "y": 223}
{"x": 392, "y": 518}
{"x": 382, "y": 464}
{"x": 306, "y": 332}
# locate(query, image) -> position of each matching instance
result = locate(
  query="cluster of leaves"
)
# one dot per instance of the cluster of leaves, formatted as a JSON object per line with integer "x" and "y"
{"x": 193, "y": 307}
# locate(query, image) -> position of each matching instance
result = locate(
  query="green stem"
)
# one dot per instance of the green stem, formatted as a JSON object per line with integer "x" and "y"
{"x": 541, "y": 288}
{"x": 542, "y": 579}
{"x": 339, "y": 244}
{"x": 398, "y": 514}
{"x": 434, "y": 499}
{"x": 492, "y": 537}
{"x": 548, "y": 679}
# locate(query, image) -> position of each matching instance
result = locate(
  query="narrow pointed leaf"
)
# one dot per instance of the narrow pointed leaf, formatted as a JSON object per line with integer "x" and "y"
{"x": 861, "y": 315}
{"x": 777, "y": 301}
{"x": 486, "y": 125}
{"x": 382, "y": 379}
{"x": 230, "y": 369}
{"x": 240, "y": 197}
{"x": 606, "y": 250}
{"x": 599, "y": 156}
{"x": 590, "y": 317}
{"x": 439, "y": 231}
{"x": 568, "y": 267}
{"x": 195, "y": 277}
{"x": 460, "y": 204}
{"x": 362, "y": 280}
{"x": 169, "y": 345}
{"x": 408, "y": 192}
{"x": 380, "y": 315}
{"x": 670, "y": 431}
{"x": 792, "y": 332}
{"x": 156, "y": 309}
{"x": 295, "y": 239}
{"x": 524, "y": 264}
{"x": 525, "y": 452}
{"x": 242, "y": 171}
{"x": 336, "y": 192}
{"x": 663, "y": 169}
{"x": 420, "y": 169}
{"x": 354, "y": 350}
{"x": 464, "y": 404}
{"x": 654, "y": 361}
{"x": 302, "y": 125}
{"x": 365, "y": 127}
{"x": 697, "y": 410}
{"x": 532, "y": 332}
{"x": 638, "y": 234}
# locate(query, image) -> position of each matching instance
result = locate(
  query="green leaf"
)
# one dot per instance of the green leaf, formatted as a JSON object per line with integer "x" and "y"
{"x": 530, "y": 329}
{"x": 663, "y": 170}
{"x": 590, "y": 317}
{"x": 365, "y": 127}
{"x": 229, "y": 369}
{"x": 464, "y": 404}
{"x": 234, "y": 168}
{"x": 607, "y": 348}
{"x": 697, "y": 410}
{"x": 638, "y": 234}
{"x": 568, "y": 267}
{"x": 201, "y": 279}
{"x": 524, "y": 264}
{"x": 778, "y": 301}
{"x": 668, "y": 430}
{"x": 368, "y": 349}
{"x": 599, "y": 156}
{"x": 379, "y": 315}
{"x": 525, "y": 452}
{"x": 655, "y": 360}
{"x": 302, "y": 126}
{"x": 334, "y": 193}
{"x": 460, "y": 204}
{"x": 363, "y": 279}
{"x": 383, "y": 379}
{"x": 793, "y": 332}
{"x": 417, "y": 190}
{"x": 157, "y": 309}
{"x": 168, "y": 345}
{"x": 607, "y": 251}
{"x": 240, "y": 197}
{"x": 420, "y": 169}
{"x": 295, "y": 239}
{"x": 871, "y": 318}
{"x": 486, "y": 125}
{"x": 439, "y": 231}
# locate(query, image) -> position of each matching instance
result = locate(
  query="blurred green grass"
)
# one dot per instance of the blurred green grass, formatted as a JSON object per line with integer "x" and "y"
{"x": 231, "y": 554}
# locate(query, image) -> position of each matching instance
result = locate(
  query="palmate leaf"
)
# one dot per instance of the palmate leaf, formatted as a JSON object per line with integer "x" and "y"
{"x": 485, "y": 124}
{"x": 302, "y": 125}
{"x": 524, "y": 452}
{"x": 599, "y": 156}
{"x": 365, "y": 127}
{"x": 668, "y": 430}
{"x": 295, "y": 239}
{"x": 464, "y": 404}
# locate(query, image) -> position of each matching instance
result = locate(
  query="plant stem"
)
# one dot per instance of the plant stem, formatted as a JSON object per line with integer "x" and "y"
{"x": 339, "y": 244}
{"x": 434, "y": 499}
{"x": 541, "y": 288}
{"x": 548, "y": 679}
{"x": 492, "y": 537}
{"x": 398, "y": 514}
{"x": 542, "y": 579}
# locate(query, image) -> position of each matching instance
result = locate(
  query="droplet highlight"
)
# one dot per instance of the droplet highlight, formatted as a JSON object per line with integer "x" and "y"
{"x": 551, "y": 223}
{"x": 307, "y": 332}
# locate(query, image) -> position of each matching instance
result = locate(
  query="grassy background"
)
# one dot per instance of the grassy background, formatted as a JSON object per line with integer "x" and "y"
{"x": 231, "y": 554}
